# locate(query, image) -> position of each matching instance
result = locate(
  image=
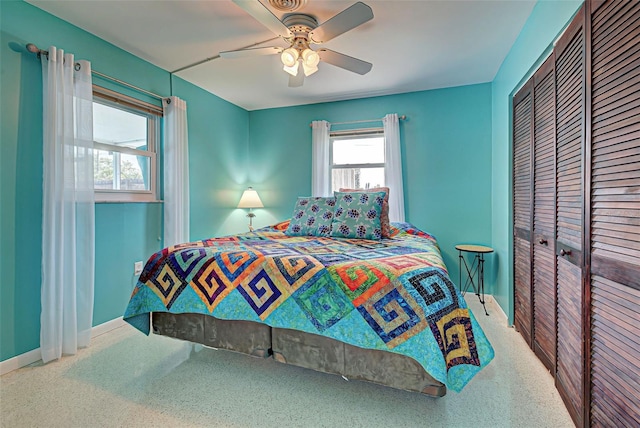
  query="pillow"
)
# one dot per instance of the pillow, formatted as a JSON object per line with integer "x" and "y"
{"x": 357, "y": 215}
{"x": 384, "y": 216}
{"x": 312, "y": 216}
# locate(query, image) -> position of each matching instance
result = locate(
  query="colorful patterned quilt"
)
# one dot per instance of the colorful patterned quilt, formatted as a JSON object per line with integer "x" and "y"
{"x": 392, "y": 295}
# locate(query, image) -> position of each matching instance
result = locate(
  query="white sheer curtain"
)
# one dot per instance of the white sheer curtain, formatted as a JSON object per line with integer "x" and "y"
{"x": 176, "y": 172}
{"x": 393, "y": 170}
{"x": 68, "y": 209}
{"x": 320, "y": 180}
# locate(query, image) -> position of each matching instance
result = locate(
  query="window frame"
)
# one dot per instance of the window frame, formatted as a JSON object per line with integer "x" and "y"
{"x": 354, "y": 134}
{"x": 154, "y": 116}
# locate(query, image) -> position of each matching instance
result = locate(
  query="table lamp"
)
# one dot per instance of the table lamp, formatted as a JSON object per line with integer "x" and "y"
{"x": 250, "y": 199}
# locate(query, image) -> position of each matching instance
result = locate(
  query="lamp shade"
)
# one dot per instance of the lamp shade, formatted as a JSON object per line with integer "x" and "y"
{"x": 293, "y": 70}
{"x": 250, "y": 199}
{"x": 311, "y": 58}
{"x": 289, "y": 57}
{"x": 309, "y": 70}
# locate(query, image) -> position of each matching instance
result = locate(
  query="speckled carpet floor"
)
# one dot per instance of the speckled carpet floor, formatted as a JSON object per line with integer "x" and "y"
{"x": 126, "y": 379}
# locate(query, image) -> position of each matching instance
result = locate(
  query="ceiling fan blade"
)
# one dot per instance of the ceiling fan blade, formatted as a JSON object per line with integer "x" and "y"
{"x": 345, "y": 61}
{"x": 296, "y": 81}
{"x": 243, "y": 53}
{"x": 264, "y": 16}
{"x": 353, "y": 16}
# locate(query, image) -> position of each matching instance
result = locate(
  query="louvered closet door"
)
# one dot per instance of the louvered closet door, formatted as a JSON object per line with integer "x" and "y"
{"x": 569, "y": 61}
{"x": 615, "y": 214}
{"x": 522, "y": 210}
{"x": 544, "y": 182}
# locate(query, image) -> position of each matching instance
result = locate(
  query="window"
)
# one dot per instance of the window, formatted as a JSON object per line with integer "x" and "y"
{"x": 125, "y": 134}
{"x": 357, "y": 159}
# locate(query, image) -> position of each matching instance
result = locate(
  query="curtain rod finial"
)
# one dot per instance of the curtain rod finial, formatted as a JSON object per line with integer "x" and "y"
{"x": 32, "y": 48}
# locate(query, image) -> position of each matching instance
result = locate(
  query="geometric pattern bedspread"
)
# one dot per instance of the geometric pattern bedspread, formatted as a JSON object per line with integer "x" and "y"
{"x": 393, "y": 295}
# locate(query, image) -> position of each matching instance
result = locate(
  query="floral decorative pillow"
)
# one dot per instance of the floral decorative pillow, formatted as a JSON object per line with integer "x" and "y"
{"x": 357, "y": 215}
{"x": 384, "y": 216}
{"x": 312, "y": 216}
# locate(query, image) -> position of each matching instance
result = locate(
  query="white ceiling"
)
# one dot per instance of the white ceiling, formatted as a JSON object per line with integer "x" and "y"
{"x": 413, "y": 45}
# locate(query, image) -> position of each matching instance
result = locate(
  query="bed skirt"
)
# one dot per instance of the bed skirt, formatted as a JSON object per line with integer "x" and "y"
{"x": 301, "y": 349}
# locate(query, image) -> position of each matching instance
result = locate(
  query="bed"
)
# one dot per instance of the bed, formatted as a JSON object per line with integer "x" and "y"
{"x": 383, "y": 311}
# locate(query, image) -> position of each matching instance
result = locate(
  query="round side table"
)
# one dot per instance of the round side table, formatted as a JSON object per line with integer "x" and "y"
{"x": 475, "y": 270}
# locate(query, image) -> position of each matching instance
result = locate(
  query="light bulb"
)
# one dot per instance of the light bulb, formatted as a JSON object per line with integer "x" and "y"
{"x": 289, "y": 57}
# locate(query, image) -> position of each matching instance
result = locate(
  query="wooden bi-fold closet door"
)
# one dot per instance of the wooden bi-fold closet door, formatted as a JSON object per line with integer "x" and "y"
{"x": 522, "y": 210}
{"x": 570, "y": 140}
{"x": 595, "y": 267}
{"x": 534, "y": 181}
{"x": 544, "y": 216}
{"x": 615, "y": 214}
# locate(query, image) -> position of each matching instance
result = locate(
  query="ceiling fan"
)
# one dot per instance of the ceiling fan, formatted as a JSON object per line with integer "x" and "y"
{"x": 301, "y": 31}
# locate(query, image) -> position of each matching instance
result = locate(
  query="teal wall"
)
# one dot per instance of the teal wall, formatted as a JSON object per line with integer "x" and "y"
{"x": 544, "y": 25}
{"x": 446, "y": 156}
{"x": 125, "y": 232}
{"x": 217, "y": 162}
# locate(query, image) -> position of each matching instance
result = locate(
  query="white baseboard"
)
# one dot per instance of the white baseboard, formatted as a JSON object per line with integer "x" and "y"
{"x": 498, "y": 308}
{"x": 19, "y": 361}
{"x": 106, "y": 327}
{"x": 33, "y": 356}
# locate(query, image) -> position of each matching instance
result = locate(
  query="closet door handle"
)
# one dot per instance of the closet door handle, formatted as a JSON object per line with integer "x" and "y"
{"x": 543, "y": 241}
{"x": 565, "y": 253}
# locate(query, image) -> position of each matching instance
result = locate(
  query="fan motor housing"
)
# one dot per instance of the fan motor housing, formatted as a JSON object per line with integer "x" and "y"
{"x": 300, "y": 23}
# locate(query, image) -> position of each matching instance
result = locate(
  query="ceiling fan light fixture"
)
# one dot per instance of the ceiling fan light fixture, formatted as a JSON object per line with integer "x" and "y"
{"x": 289, "y": 58}
{"x": 293, "y": 70}
{"x": 309, "y": 70}
{"x": 310, "y": 58}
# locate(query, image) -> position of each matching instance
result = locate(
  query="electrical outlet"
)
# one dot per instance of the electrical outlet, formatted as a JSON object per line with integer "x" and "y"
{"x": 137, "y": 268}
